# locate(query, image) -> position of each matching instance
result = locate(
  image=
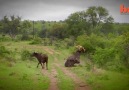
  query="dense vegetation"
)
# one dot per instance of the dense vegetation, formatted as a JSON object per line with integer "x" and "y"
{"x": 106, "y": 42}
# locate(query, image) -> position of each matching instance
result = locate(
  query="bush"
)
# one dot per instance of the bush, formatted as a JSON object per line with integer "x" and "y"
{"x": 91, "y": 42}
{"x": 102, "y": 56}
{"x": 25, "y": 55}
{"x": 84, "y": 41}
{"x": 3, "y": 51}
{"x": 4, "y": 38}
{"x": 25, "y": 37}
{"x": 115, "y": 65}
{"x": 69, "y": 42}
{"x": 36, "y": 41}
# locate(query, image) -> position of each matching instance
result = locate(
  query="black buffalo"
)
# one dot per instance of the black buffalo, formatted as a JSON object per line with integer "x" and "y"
{"x": 42, "y": 58}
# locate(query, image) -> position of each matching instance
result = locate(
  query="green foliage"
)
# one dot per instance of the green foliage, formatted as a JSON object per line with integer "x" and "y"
{"x": 90, "y": 42}
{"x": 110, "y": 52}
{"x": 36, "y": 41}
{"x": 4, "y": 51}
{"x": 43, "y": 33}
{"x": 25, "y": 30}
{"x": 7, "y": 54}
{"x": 11, "y": 25}
{"x": 107, "y": 28}
{"x": 125, "y": 49}
{"x": 102, "y": 56}
{"x": 121, "y": 28}
{"x": 84, "y": 40}
{"x": 77, "y": 24}
{"x": 4, "y": 38}
{"x": 25, "y": 55}
{"x": 69, "y": 41}
{"x": 86, "y": 21}
{"x": 58, "y": 30}
{"x": 25, "y": 37}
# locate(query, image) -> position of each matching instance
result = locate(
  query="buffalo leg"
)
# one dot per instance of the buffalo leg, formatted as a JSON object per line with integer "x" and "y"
{"x": 43, "y": 66}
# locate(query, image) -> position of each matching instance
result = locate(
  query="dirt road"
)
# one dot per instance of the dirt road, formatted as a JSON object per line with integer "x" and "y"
{"x": 79, "y": 83}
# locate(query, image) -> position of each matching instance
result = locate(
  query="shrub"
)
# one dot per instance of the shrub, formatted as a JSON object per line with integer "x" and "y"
{"x": 4, "y": 51}
{"x": 102, "y": 56}
{"x": 25, "y": 37}
{"x": 84, "y": 40}
{"x": 108, "y": 52}
{"x": 36, "y": 41}
{"x": 91, "y": 42}
{"x": 25, "y": 55}
{"x": 4, "y": 38}
{"x": 69, "y": 42}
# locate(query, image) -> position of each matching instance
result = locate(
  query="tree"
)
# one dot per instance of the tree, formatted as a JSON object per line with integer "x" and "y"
{"x": 77, "y": 24}
{"x": 11, "y": 25}
{"x": 107, "y": 27}
{"x": 58, "y": 30}
{"x": 92, "y": 15}
{"x": 25, "y": 29}
{"x": 88, "y": 21}
{"x": 0, "y": 26}
{"x": 102, "y": 14}
{"x": 97, "y": 15}
{"x": 43, "y": 32}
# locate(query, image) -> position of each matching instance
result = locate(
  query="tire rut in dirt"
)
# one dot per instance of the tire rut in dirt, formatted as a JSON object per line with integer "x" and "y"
{"x": 53, "y": 78}
{"x": 80, "y": 84}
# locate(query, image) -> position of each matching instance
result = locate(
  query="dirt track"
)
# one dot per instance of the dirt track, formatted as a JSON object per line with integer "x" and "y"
{"x": 80, "y": 84}
{"x": 53, "y": 78}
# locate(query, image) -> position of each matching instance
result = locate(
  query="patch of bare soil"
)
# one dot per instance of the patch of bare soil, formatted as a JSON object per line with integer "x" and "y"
{"x": 50, "y": 51}
{"x": 53, "y": 78}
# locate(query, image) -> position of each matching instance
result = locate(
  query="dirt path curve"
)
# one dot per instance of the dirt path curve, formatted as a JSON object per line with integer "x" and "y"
{"x": 50, "y": 51}
{"x": 53, "y": 78}
{"x": 80, "y": 84}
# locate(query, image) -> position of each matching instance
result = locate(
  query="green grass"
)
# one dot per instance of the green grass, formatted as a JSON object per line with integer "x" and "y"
{"x": 103, "y": 80}
{"x": 64, "y": 82}
{"x": 23, "y": 75}
{"x": 115, "y": 81}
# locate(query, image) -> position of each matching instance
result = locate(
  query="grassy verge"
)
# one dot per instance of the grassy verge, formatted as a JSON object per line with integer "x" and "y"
{"x": 21, "y": 76}
{"x": 103, "y": 80}
{"x": 64, "y": 82}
